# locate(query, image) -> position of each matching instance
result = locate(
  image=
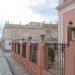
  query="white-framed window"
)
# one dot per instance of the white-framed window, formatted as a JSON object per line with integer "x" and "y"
{"x": 26, "y": 35}
{"x": 15, "y": 35}
{"x": 36, "y": 36}
{"x": 48, "y": 34}
{"x": 51, "y": 36}
{"x": 54, "y": 34}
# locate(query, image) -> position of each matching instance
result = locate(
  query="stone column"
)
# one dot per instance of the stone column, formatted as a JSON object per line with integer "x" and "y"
{"x": 22, "y": 44}
{"x": 42, "y": 59}
{"x": 28, "y": 48}
{"x": 12, "y": 51}
{"x": 17, "y": 46}
{"x": 20, "y": 41}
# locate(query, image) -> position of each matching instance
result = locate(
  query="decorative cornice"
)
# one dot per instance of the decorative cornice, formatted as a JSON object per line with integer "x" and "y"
{"x": 64, "y": 4}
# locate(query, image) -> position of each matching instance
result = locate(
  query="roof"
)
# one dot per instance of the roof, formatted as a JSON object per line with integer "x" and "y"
{"x": 66, "y": 3}
{"x": 30, "y": 25}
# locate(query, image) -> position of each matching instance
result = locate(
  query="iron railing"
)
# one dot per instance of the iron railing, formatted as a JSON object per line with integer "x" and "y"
{"x": 57, "y": 68}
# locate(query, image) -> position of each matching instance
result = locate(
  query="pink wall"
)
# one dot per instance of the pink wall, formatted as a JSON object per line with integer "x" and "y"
{"x": 66, "y": 18}
{"x": 41, "y": 68}
{"x": 70, "y": 51}
{"x": 70, "y": 59}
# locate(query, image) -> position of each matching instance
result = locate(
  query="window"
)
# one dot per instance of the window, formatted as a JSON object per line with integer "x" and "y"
{"x": 18, "y": 48}
{"x": 15, "y": 35}
{"x": 51, "y": 57}
{"x": 24, "y": 49}
{"x": 35, "y": 36}
{"x": 48, "y": 33}
{"x": 54, "y": 34}
{"x": 33, "y": 52}
{"x": 26, "y": 35}
{"x": 15, "y": 46}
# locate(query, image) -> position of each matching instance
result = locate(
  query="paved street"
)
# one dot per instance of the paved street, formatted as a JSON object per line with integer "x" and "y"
{"x": 9, "y": 66}
{"x": 4, "y": 67}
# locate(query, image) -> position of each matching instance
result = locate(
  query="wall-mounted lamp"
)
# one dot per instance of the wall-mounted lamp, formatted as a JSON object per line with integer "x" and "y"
{"x": 70, "y": 24}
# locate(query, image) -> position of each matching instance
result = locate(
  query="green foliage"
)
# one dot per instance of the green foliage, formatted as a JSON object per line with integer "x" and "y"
{"x": 55, "y": 46}
{"x": 51, "y": 55}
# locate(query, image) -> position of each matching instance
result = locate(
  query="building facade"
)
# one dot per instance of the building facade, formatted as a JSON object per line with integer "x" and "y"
{"x": 33, "y": 29}
{"x": 66, "y": 34}
{"x": 66, "y": 14}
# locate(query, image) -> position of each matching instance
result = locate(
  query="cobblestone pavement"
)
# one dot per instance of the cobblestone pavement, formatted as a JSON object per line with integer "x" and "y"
{"x": 4, "y": 67}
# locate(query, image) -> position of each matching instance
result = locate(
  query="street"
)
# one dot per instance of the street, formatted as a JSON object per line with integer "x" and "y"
{"x": 4, "y": 67}
{"x": 9, "y": 66}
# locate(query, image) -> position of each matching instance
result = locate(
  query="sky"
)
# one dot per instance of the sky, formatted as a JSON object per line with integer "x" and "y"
{"x": 25, "y": 11}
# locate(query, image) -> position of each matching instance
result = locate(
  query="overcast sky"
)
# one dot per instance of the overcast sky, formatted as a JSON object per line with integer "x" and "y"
{"x": 26, "y": 11}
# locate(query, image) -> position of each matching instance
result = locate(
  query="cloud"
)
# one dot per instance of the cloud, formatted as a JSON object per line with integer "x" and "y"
{"x": 17, "y": 10}
{"x": 46, "y": 9}
{"x": 26, "y": 11}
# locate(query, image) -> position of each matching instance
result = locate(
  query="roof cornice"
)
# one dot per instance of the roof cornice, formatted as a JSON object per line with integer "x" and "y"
{"x": 64, "y": 4}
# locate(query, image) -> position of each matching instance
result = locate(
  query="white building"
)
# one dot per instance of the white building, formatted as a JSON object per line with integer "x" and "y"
{"x": 33, "y": 29}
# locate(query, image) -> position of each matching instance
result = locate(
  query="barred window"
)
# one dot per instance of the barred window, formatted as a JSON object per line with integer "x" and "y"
{"x": 33, "y": 52}
{"x": 51, "y": 57}
{"x": 18, "y": 48}
{"x": 15, "y": 46}
{"x": 24, "y": 49}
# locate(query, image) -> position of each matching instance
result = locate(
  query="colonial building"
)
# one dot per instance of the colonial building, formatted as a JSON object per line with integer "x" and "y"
{"x": 33, "y": 29}
{"x": 66, "y": 14}
{"x": 66, "y": 34}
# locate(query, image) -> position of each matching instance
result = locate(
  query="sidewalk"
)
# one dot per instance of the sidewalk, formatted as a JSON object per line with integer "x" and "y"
{"x": 4, "y": 67}
{"x": 15, "y": 66}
